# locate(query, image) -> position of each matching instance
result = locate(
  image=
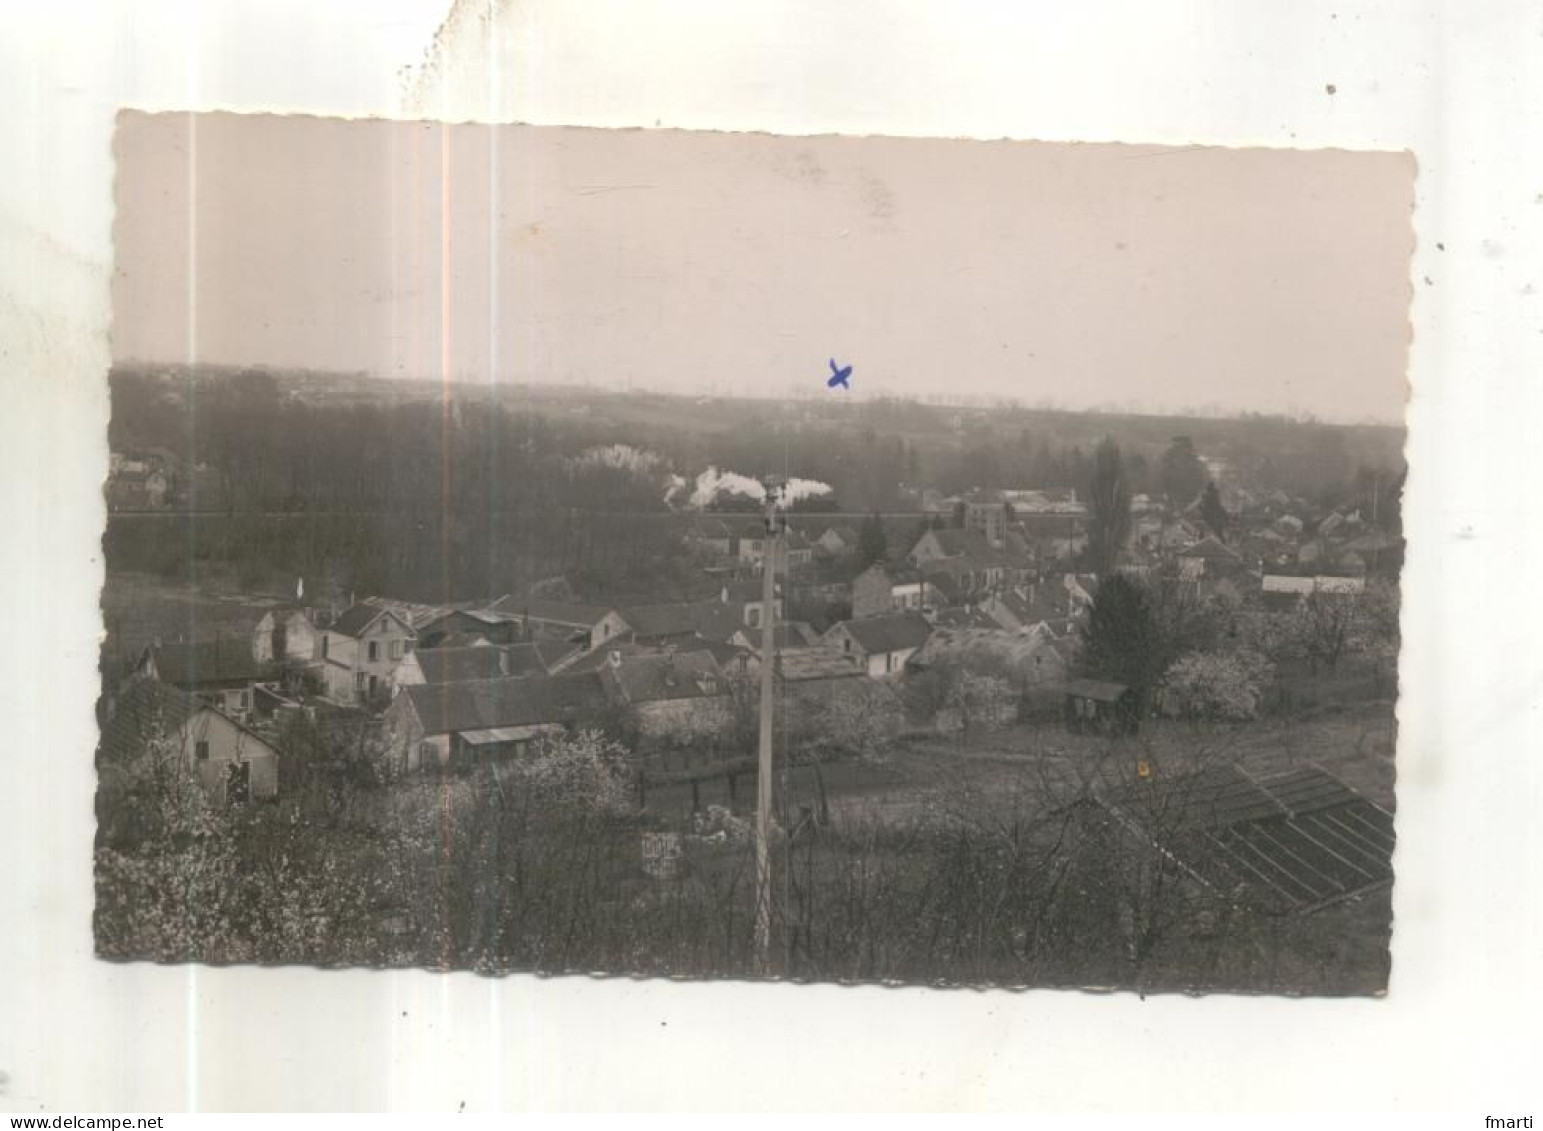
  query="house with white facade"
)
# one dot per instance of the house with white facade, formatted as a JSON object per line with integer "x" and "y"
{"x": 881, "y": 644}
{"x": 361, "y": 649}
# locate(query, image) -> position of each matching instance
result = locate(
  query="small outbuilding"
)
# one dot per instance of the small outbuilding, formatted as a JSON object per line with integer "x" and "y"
{"x": 147, "y": 722}
{"x": 1096, "y": 706}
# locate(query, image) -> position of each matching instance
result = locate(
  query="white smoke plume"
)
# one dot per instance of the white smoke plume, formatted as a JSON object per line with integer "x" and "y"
{"x": 712, "y": 483}
{"x": 804, "y": 489}
{"x": 622, "y": 457}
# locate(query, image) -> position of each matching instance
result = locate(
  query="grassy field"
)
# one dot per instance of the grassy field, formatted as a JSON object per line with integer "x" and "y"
{"x": 1043, "y": 762}
{"x": 989, "y": 783}
{"x": 136, "y": 610}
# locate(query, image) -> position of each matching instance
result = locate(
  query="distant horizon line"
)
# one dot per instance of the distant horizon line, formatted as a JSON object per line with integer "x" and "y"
{"x": 626, "y": 387}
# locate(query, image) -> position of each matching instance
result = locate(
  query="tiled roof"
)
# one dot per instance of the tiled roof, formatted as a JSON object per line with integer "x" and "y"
{"x": 786, "y": 634}
{"x": 459, "y": 639}
{"x": 675, "y": 618}
{"x": 456, "y": 665}
{"x": 511, "y": 701}
{"x": 722, "y": 652}
{"x": 488, "y": 617}
{"x": 962, "y": 616}
{"x": 966, "y": 543}
{"x": 353, "y": 620}
{"x": 575, "y": 613}
{"x": 414, "y": 614}
{"x": 597, "y": 658}
{"x": 208, "y": 663}
{"x": 893, "y": 633}
{"x": 453, "y": 665}
{"x": 659, "y": 678}
{"x": 1209, "y": 547}
{"x": 723, "y": 622}
{"x": 816, "y": 661}
{"x": 537, "y": 657}
{"x": 747, "y": 591}
{"x": 143, "y": 710}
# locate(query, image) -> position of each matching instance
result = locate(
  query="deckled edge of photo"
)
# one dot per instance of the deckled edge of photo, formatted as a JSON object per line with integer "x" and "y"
{"x": 56, "y": 335}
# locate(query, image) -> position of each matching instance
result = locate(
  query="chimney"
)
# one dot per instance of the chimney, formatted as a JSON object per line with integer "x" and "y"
{"x": 614, "y": 659}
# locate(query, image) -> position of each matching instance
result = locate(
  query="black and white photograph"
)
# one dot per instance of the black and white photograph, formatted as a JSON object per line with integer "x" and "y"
{"x": 692, "y": 558}
{"x": 720, "y": 555}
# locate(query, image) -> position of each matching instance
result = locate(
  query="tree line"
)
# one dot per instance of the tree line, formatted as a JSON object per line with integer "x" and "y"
{"x": 269, "y": 449}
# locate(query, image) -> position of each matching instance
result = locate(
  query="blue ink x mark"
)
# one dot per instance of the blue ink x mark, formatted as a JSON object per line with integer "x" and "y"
{"x": 839, "y": 377}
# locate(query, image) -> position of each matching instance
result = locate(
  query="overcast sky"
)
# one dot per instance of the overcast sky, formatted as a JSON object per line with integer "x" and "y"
{"x": 1077, "y": 275}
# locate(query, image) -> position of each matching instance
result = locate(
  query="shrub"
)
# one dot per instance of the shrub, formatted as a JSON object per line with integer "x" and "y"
{"x": 583, "y": 772}
{"x": 1212, "y": 685}
{"x": 982, "y": 700}
{"x": 864, "y": 719}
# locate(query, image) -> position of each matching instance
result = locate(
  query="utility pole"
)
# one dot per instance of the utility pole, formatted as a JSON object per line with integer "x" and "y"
{"x": 763, "y": 795}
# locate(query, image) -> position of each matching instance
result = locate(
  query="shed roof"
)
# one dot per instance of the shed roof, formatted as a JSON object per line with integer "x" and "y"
{"x": 494, "y": 735}
{"x": 1104, "y": 691}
